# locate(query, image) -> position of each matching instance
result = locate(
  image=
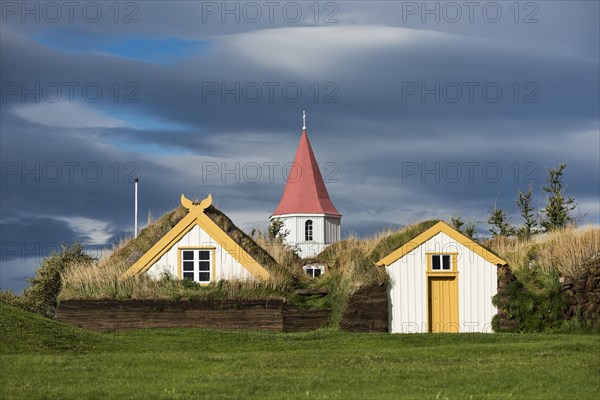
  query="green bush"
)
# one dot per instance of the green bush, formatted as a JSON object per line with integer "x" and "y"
{"x": 40, "y": 297}
{"x": 533, "y": 302}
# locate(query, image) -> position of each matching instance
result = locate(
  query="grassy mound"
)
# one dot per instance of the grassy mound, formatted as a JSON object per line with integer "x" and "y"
{"x": 24, "y": 332}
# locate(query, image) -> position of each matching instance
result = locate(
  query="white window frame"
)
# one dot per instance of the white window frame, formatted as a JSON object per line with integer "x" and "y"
{"x": 312, "y": 268}
{"x": 196, "y": 263}
{"x": 309, "y": 230}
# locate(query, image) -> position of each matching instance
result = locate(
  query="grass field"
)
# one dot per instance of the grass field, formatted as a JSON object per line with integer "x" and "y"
{"x": 44, "y": 359}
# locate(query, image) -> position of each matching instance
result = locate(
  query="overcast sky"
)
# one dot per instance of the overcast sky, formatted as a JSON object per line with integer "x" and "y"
{"x": 415, "y": 110}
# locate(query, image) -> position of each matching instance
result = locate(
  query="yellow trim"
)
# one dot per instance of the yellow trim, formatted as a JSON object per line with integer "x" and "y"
{"x": 229, "y": 245}
{"x": 454, "y": 264}
{"x": 162, "y": 246}
{"x": 196, "y": 216}
{"x": 432, "y": 274}
{"x": 213, "y": 249}
{"x": 431, "y": 232}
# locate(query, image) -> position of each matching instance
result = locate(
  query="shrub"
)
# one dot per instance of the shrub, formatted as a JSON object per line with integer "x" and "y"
{"x": 534, "y": 302}
{"x": 41, "y": 296}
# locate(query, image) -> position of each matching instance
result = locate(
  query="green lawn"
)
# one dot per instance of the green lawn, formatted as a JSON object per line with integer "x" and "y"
{"x": 43, "y": 359}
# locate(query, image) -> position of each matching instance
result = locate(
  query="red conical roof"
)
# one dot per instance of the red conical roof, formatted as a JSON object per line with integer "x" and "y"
{"x": 305, "y": 191}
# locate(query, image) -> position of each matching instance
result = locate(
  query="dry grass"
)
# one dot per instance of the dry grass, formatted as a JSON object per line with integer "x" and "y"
{"x": 537, "y": 262}
{"x": 567, "y": 251}
{"x": 351, "y": 265}
{"x": 100, "y": 280}
{"x": 281, "y": 252}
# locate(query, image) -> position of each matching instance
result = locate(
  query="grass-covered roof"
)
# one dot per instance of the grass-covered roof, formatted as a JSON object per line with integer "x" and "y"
{"x": 377, "y": 247}
{"x": 132, "y": 250}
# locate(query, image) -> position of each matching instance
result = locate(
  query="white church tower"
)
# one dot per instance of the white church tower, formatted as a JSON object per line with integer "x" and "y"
{"x": 305, "y": 207}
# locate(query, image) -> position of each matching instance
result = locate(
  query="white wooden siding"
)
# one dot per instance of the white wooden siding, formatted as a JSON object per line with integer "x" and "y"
{"x": 332, "y": 229}
{"x": 226, "y": 266}
{"x": 326, "y": 230}
{"x": 477, "y": 284}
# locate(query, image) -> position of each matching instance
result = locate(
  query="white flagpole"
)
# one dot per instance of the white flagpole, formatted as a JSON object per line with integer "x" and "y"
{"x": 135, "y": 229}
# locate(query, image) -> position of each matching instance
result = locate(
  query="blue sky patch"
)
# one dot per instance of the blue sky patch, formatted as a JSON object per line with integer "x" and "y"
{"x": 161, "y": 51}
{"x": 145, "y": 122}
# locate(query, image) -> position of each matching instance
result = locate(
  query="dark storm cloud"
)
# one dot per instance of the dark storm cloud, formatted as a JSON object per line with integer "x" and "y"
{"x": 563, "y": 87}
{"x": 15, "y": 273}
{"x": 32, "y": 237}
{"x": 389, "y": 152}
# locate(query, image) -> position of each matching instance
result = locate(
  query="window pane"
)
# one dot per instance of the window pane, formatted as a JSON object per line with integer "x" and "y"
{"x": 204, "y": 255}
{"x": 188, "y": 275}
{"x": 446, "y": 261}
{"x": 204, "y": 265}
{"x": 204, "y": 276}
{"x": 317, "y": 272}
{"x": 188, "y": 255}
{"x": 308, "y": 230}
{"x": 435, "y": 262}
{"x": 188, "y": 265}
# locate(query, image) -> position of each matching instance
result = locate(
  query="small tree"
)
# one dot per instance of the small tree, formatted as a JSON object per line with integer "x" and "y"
{"x": 557, "y": 213}
{"x": 469, "y": 229}
{"x": 499, "y": 221}
{"x": 276, "y": 231}
{"x": 527, "y": 213}
{"x": 457, "y": 223}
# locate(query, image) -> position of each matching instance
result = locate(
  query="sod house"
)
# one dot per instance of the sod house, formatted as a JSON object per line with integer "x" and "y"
{"x": 441, "y": 281}
{"x": 199, "y": 250}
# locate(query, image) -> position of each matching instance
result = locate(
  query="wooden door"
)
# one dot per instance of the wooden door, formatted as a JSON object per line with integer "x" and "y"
{"x": 443, "y": 304}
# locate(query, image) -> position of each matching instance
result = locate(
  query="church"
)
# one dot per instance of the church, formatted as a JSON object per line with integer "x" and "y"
{"x": 309, "y": 217}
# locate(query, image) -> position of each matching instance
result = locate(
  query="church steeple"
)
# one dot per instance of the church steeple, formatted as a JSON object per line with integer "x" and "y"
{"x": 306, "y": 210}
{"x": 305, "y": 191}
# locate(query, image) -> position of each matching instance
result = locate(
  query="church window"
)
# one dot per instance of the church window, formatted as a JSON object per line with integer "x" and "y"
{"x": 308, "y": 230}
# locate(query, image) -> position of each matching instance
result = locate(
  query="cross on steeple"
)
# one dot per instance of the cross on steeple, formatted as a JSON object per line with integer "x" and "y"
{"x": 303, "y": 120}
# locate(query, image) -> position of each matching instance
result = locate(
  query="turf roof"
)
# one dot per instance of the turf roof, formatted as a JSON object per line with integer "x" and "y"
{"x": 150, "y": 235}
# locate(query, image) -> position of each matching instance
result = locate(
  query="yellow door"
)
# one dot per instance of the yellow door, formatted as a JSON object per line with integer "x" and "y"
{"x": 443, "y": 304}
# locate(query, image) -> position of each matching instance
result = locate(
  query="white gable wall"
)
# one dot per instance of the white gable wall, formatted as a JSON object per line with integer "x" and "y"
{"x": 477, "y": 284}
{"x": 226, "y": 266}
